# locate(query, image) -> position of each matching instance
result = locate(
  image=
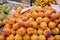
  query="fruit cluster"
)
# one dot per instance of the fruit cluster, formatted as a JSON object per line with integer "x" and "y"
{"x": 44, "y": 2}
{"x": 34, "y": 24}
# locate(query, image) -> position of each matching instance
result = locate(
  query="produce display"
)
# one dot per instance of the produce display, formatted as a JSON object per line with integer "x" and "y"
{"x": 4, "y": 9}
{"x": 34, "y": 24}
{"x": 44, "y": 2}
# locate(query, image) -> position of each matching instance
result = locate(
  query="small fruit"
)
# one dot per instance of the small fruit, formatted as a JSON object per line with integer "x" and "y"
{"x": 43, "y": 25}
{"x": 18, "y": 37}
{"x": 45, "y": 19}
{"x": 56, "y": 21}
{"x": 2, "y": 37}
{"x": 42, "y": 37}
{"x": 7, "y": 26}
{"x": 6, "y": 31}
{"x": 57, "y": 37}
{"x": 40, "y": 31}
{"x": 47, "y": 32}
{"x": 10, "y": 37}
{"x": 52, "y": 25}
{"x": 26, "y": 37}
{"x": 58, "y": 26}
{"x": 31, "y": 19}
{"x": 55, "y": 31}
{"x": 21, "y": 31}
{"x": 31, "y": 31}
{"x": 39, "y": 20}
{"x": 51, "y": 38}
{"x": 34, "y": 37}
{"x": 41, "y": 14}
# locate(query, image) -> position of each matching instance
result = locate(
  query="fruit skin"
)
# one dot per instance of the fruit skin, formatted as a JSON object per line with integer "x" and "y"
{"x": 58, "y": 26}
{"x": 52, "y": 25}
{"x": 56, "y": 21}
{"x": 31, "y": 31}
{"x": 58, "y": 15}
{"x": 40, "y": 31}
{"x": 10, "y": 37}
{"x": 34, "y": 15}
{"x": 6, "y": 31}
{"x": 7, "y": 26}
{"x": 42, "y": 37}
{"x": 34, "y": 24}
{"x": 45, "y": 19}
{"x": 43, "y": 25}
{"x": 18, "y": 37}
{"x": 39, "y": 20}
{"x": 41, "y": 14}
{"x": 57, "y": 37}
{"x": 15, "y": 26}
{"x": 2, "y": 37}
{"x": 21, "y": 31}
{"x": 26, "y": 37}
{"x": 47, "y": 32}
{"x": 34, "y": 37}
{"x": 55, "y": 31}
{"x": 50, "y": 38}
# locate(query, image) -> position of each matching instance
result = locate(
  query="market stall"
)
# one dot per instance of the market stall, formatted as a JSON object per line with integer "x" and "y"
{"x": 35, "y": 22}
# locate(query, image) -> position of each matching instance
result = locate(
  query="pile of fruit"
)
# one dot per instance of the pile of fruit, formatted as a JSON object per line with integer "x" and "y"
{"x": 4, "y": 9}
{"x": 34, "y": 24}
{"x": 44, "y": 2}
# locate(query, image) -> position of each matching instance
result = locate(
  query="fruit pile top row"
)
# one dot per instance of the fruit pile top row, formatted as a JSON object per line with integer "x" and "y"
{"x": 44, "y": 2}
{"x": 34, "y": 24}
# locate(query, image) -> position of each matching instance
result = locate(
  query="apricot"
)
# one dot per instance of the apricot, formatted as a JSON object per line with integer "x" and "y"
{"x": 53, "y": 16}
{"x": 42, "y": 37}
{"x": 41, "y": 14}
{"x": 31, "y": 19}
{"x": 56, "y": 21}
{"x": 13, "y": 31}
{"x": 45, "y": 19}
{"x": 6, "y": 31}
{"x": 39, "y": 20}
{"x": 40, "y": 31}
{"x": 26, "y": 37}
{"x": 57, "y": 37}
{"x": 15, "y": 26}
{"x": 31, "y": 31}
{"x": 50, "y": 38}
{"x": 34, "y": 37}
{"x": 21, "y": 31}
{"x": 34, "y": 15}
{"x": 32, "y": 10}
{"x": 58, "y": 26}
{"x": 55, "y": 31}
{"x": 47, "y": 32}
{"x": 52, "y": 25}
{"x": 10, "y": 37}
{"x": 58, "y": 15}
{"x": 7, "y": 26}
{"x": 10, "y": 16}
{"x": 18, "y": 19}
{"x": 34, "y": 24}
{"x": 2, "y": 37}
{"x": 43, "y": 25}
{"x": 18, "y": 37}
{"x": 59, "y": 19}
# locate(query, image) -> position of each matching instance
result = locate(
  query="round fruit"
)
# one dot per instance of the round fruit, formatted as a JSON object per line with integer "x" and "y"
{"x": 40, "y": 31}
{"x": 58, "y": 26}
{"x": 52, "y": 25}
{"x": 50, "y": 38}
{"x": 41, "y": 14}
{"x": 57, "y": 37}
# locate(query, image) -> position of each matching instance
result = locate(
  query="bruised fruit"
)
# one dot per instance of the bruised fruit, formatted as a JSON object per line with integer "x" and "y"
{"x": 34, "y": 37}
{"x": 26, "y": 37}
{"x": 50, "y": 38}
{"x": 18, "y": 37}
{"x": 57, "y": 37}
{"x": 10, "y": 37}
{"x": 39, "y": 20}
{"x": 55, "y": 31}
{"x": 40, "y": 31}
{"x": 21, "y": 31}
{"x": 47, "y": 32}
{"x": 6, "y": 31}
{"x": 45, "y": 19}
{"x": 31, "y": 31}
{"x": 42, "y": 37}
{"x": 43, "y": 25}
{"x": 52, "y": 25}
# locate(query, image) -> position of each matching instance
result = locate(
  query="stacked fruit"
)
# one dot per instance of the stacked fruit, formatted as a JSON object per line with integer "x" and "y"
{"x": 4, "y": 9}
{"x": 44, "y": 2}
{"x": 34, "y": 24}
